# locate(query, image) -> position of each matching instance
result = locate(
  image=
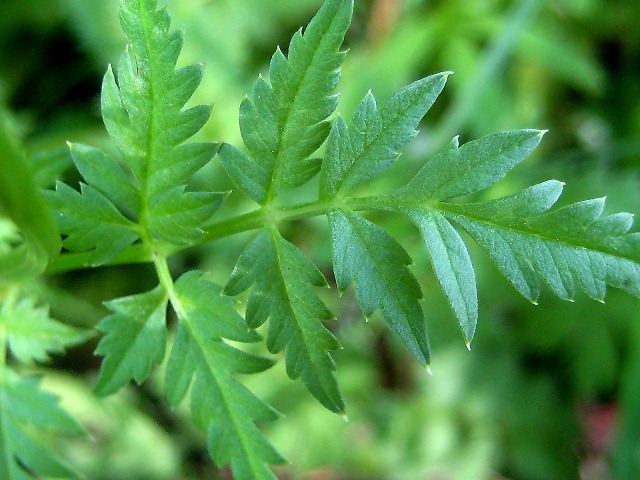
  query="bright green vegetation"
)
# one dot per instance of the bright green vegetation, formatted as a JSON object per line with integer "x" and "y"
{"x": 137, "y": 204}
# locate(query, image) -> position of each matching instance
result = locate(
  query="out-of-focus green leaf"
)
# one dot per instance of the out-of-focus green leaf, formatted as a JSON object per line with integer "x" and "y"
{"x": 32, "y": 334}
{"x": 21, "y": 201}
{"x": 27, "y": 415}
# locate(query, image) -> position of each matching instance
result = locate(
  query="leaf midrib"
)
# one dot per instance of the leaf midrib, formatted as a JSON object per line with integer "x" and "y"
{"x": 378, "y": 138}
{"x": 382, "y": 276}
{"x": 213, "y": 372}
{"x": 286, "y": 125}
{"x": 469, "y": 166}
{"x": 450, "y": 211}
{"x": 145, "y": 220}
{"x": 316, "y": 369}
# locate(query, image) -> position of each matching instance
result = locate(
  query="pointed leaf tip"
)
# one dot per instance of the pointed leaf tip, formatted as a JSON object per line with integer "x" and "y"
{"x": 282, "y": 281}
{"x": 302, "y": 83}
{"x": 361, "y": 253}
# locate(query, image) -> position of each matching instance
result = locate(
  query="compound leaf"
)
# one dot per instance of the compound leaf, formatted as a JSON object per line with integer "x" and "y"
{"x": 20, "y": 201}
{"x": 375, "y": 135}
{"x": 143, "y": 111}
{"x": 32, "y": 334}
{"x": 30, "y": 419}
{"x": 285, "y": 122}
{"x": 365, "y": 254}
{"x": 220, "y": 405}
{"x": 283, "y": 280}
{"x": 135, "y": 339}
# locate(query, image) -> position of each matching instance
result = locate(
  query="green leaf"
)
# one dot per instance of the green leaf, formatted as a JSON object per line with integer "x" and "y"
{"x": 282, "y": 279}
{"x": 285, "y": 121}
{"x": 579, "y": 68}
{"x": 21, "y": 201}
{"x": 32, "y": 334}
{"x": 49, "y": 165}
{"x": 135, "y": 339}
{"x": 220, "y": 405}
{"x": 365, "y": 254}
{"x": 104, "y": 173}
{"x": 571, "y": 248}
{"x": 375, "y": 135}
{"x": 143, "y": 111}
{"x": 30, "y": 421}
{"x": 451, "y": 264}
{"x": 178, "y": 215}
{"x": 91, "y": 223}
{"x": 457, "y": 171}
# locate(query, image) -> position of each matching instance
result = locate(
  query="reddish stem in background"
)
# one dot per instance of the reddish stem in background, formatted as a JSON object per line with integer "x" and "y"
{"x": 383, "y": 18}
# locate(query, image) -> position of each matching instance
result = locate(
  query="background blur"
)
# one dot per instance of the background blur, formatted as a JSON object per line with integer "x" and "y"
{"x": 547, "y": 392}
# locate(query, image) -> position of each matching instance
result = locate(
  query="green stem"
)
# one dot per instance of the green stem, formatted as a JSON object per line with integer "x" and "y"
{"x": 68, "y": 262}
{"x": 166, "y": 280}
{"x": 225, "y": 228}
{"x": 164, "y": 275}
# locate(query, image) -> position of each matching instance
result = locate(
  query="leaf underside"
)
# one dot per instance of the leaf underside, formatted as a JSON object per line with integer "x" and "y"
{"x": 135, "y": 339}
{"x": 220, "y": 404}
{"x": 451, "y": 264}
{"x": 570, "y": 248}
{"x": 283, "y": 280}
{"x": 369, "y": 257}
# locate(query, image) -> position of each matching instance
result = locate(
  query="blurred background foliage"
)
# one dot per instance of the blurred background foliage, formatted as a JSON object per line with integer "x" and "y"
{"x": 548, "y": 392}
